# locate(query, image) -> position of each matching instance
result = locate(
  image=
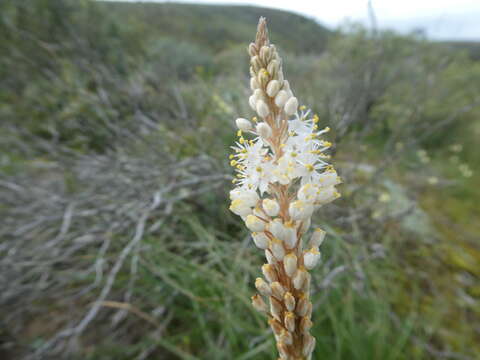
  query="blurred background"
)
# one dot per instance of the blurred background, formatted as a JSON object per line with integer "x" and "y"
{"x": 116, "y": 120}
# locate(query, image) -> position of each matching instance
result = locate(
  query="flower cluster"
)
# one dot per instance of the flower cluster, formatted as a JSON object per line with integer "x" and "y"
{"x": 282, "y": 177}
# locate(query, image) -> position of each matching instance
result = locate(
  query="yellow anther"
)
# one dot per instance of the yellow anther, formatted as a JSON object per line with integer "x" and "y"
{"x": 251, "y": 142}
{"x": 241, "y": 140}
{"x": 303, "y": 107}
{"x": 233, "y": 162}
{"x": 315, "y": 127}
{"x": 309, "y": 167}
{"x": 294, "y": 154}
{"x": 327, "y": 129}
{"x": 315, "y": 118}
{"x": 254, "y": 119}
{"x": 259, "y": 169}
{"x": 231, "y": 156}
{"x": 239, "y": 133}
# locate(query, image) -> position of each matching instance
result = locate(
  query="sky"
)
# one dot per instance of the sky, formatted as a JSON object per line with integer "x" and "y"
{"x": 440, "y": 19}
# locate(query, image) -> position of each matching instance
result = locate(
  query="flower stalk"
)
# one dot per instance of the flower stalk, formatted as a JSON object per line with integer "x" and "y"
{"x": 282, "y": 178}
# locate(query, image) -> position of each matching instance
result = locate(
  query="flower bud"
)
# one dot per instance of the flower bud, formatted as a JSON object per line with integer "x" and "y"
{"x": 286, "y": 85}
{"x": 326, "y": 195}
{"x": 290, "y": 264}
{"x": 311, "y": 258}
{"x": 286, "y": 337}
{"x": 305, "y": 225}
{"x": 276, "y": 326}
{"x": 289, "y": 301}
{"x": 277, "y": 249}
{"x": 305, "y": 324}
{"x": 290, "y": 235}
{"x": 300, "y": 210}
{"x": 317, "y": 237}
{"x": 283, "y": 351}
{"x": 291, "y": 106}
{"x": 260, "y": 239}
{"x": 252, "y": 101}
{"x": 302, "y": 306}
{"x": 262, "y": 287}
{"x": 240, "y": 208}
{"x": 259, "y": 304}
{"x": 275, "y": 308}
{"x": 273, "y": 68}
{"x": 272, "y": 88}
{"x": 277, "y": 290}
{"x": 243, "y": 124}
{"x": 252, "y": 49}
{"x": 269, "y": 256}
{"x": 307, "y": 193}
{"x": 290, "y": 321}
{"x": 254, "y": 224}
{"x": 269, "y": 272}
{"x": 262, "y": 108}
{"x": 271, "y": 207}
{"x": 277, "y": 229}
{"x": 281, "y": 98}
{"x": 329, "y": 178}
{"x": 299, "y": 279}
{"x": 264, "y": 130}
{"x": 265, "y": 53}
{"x": 254, "y": 83}
{"x": 308, "y": 344}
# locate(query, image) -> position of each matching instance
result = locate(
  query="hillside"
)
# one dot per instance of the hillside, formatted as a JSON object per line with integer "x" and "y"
{"x": 217, "y": 26}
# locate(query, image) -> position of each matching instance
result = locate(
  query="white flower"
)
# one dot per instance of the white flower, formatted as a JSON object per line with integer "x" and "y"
{"x": 254, "y": 83}
{"x": 252, "y": 101}
{"x": 248, "y": 197}
{"x": 254, "y": 224}
{"x": 243, "y": 124}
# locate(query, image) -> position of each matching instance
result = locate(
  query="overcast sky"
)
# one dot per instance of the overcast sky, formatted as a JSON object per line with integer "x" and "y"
{"x": 441, "y": 19}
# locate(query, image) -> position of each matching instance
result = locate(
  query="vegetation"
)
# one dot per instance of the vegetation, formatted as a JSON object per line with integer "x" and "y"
{"x": 116, "y": 239}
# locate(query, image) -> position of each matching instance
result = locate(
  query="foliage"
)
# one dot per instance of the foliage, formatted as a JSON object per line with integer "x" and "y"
{"x": 105, "y": 105}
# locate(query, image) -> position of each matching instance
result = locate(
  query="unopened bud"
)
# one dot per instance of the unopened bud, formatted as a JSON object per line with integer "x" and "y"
{"x": 300, "y": 210}
{"x": 276, "y": 326}
{"x": 305, "y": 324}
{"x": 273, "y": 68}
{"x": 281, "y": 98}
{"x": 290, "y": 321}
{"x": 260, "y": 239}
{"x": 262, "y": 287}
{"x": 289, "y": 301}
{"x": 317, "y": 237}
{"x": 271, "y": 207}
{"x": 277, "y": 249}
{"x": 302, "y": 306}
{"x": 254, "y": 83}
{"x": 308, "y": 344}
{"x": 252, "y": 49}
{"x": 299, "y": 279}
{"x": 275, "y": 308}
{"x": 264, "y": 130}
{"x": 269, "y": 273}
{"x": 243, "y": 124}
{"x": 262, "y": 108}
{"x": 286, "y": 337}
{"x": 291, "y": 106}
{"x": 290, "y": 264}
{"x": 252, "y": 101}
{"x": 277, "y": 290}
{"x": 272, "y": 88}
{"x": 258, "y": 303}
{"x": 269, "y": 256}
{"x": 311, "y": 258}
{"x": 254, "y": 224}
